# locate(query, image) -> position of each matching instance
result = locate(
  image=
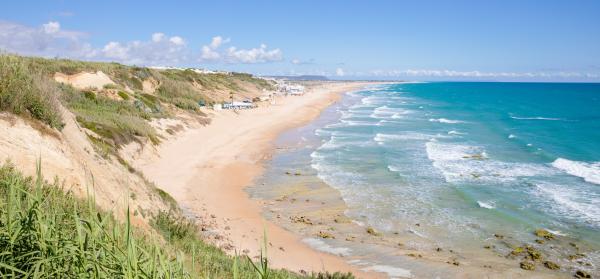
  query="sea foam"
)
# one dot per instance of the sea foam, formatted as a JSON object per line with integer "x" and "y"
{"x": 446, "y": 121}
{"x": 323, "y": 246}
{"x": 393, "y": 272}
{"x": 537, "y": 118}
{"x": 488, "y": 205}
{"x": 590, "y": 172}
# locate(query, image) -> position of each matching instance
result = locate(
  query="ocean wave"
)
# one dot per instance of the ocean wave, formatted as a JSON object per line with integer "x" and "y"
{"x": 358, "y": 123}
{"x": 537, "y": 118}
{"x": 373, "y": 100}
{"x": 446, "y": 121}
{"x": 590, "y": 172}
{"x": 571, "y": 202}
{"x": 511, "y": 136}
{"x": 453, "y": 132}
{"x": 321, "y": 245}
{"x": 379, "y": 137}
{"x": 471, "y": 163}
{"x": 488, "y": 205}
{"x": 389, "y": 112}
{"x": 391, "y": 271}
{"x": 393, "y": 168}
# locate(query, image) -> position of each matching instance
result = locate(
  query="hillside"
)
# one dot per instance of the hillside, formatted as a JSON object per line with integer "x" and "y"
{"x": 83, "y": 121}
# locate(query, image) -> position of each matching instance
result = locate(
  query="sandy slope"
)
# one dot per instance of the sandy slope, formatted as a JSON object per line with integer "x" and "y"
{"x": 84, "y": 80}
{"x": 207, "y": 168}
{"x": 69, "y": 156}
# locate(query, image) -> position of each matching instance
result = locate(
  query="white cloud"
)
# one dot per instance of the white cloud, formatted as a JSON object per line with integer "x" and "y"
{"x": 339, "y": 72}
{"x": 217, "y": 42}
{"x": 115, "y": 50}
{"x": 480, "y": 74}
{"x": 51, "y": 40}
{"x": 297, "y": 61}
{"x": 209, "y": 54}
{"x": 51, "y": 27}
{"x": 47, "y": 40}
{"x": 156, "y": 51}
{"x": 255, "y": 55}
{"x": 213, "y": 53}
{"x": 177, "y": 40}
{"x": 157, "y": 37}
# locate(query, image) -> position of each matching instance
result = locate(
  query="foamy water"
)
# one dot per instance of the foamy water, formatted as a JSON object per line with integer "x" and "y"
{"x": 451, "y": 164}
{"x": 405, "y": 152}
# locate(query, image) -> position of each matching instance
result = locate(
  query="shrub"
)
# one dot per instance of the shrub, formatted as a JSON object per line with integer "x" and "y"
{"x": 25, "y": 92}
{"x": 117, "y": 121}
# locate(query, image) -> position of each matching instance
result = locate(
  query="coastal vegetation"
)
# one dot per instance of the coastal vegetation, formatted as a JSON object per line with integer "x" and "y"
{"x": 116, "y": 113}
{"x": 48, "y": 232}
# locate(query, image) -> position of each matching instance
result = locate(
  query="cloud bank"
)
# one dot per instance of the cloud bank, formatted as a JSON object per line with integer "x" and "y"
{"x": 213, "y": 52}
{"x": 51, "y": 40}
{"x": 478, "y": 74}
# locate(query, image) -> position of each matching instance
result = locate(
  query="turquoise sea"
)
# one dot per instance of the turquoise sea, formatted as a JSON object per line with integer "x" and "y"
{"x": 503, "y": 156}
{"x": 453, "y": 163}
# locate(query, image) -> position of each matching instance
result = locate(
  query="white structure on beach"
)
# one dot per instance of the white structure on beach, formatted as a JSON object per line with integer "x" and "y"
{"x": 289, "y": 88}
{"x": 238, "y": 105}
{"x": 217, "y": 107}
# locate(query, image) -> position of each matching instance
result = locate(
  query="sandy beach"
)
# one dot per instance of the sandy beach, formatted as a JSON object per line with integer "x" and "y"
{"x": 206, "y": 170}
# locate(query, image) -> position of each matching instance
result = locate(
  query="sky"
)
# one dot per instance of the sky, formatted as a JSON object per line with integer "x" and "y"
{"x": 410, "y": 40}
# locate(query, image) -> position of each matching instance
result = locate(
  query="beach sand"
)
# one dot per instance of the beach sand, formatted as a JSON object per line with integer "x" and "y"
{"x": 206, "y": 170}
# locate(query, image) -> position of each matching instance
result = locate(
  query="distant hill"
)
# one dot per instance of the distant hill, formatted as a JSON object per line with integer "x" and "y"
{"x": 302, "y": 77}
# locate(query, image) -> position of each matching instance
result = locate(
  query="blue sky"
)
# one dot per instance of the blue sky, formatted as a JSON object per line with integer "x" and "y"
{"x": 428, "y": 40}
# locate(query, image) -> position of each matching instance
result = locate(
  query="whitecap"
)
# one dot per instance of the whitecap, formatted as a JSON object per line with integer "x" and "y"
{"x": 463, "y": 162}
{"x": 393, "y": 168}
{"x": 511, "y": 136}
{"x": 556, "y": 232}
{"x": 446, "y": 121}
{"x": 571, "y": 202}
{"x": 379, "y": 137}
{"x": 538, "y": 118}
{"x": 590, "y": 172}
{"x": 453, "y": 132}
{"x": 488, "y": 205}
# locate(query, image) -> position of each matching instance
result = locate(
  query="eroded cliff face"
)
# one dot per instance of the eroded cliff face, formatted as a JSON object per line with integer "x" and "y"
{"x": 69, "y": 156}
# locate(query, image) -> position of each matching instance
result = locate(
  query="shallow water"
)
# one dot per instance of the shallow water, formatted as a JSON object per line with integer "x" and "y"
{"x": 454, "y": 162}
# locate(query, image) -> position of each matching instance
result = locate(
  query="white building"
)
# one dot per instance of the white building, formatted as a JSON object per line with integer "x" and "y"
{"x": 238, "y": 105}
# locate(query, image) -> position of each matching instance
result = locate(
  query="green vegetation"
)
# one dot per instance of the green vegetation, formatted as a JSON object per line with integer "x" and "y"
{"x": 117, "y": 122}
{"x": 47, "y": 233}
{"x": 24, "y": 91}
{"x": 211, "y": 262}
{"x": 27, "y": 88}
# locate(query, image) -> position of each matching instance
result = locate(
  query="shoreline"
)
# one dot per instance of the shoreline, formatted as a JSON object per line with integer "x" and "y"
{"x": 301, "y": 202}
{"x": 207, "y": 169}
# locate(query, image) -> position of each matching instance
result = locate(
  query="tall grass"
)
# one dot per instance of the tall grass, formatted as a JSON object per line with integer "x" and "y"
{"x": 24, "y": 91}
{"x": 46, "y": 233}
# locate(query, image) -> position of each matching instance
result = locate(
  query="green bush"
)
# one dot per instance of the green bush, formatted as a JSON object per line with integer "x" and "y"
{"x": 23, "y": 91}
{"x": 117, "y": 121}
